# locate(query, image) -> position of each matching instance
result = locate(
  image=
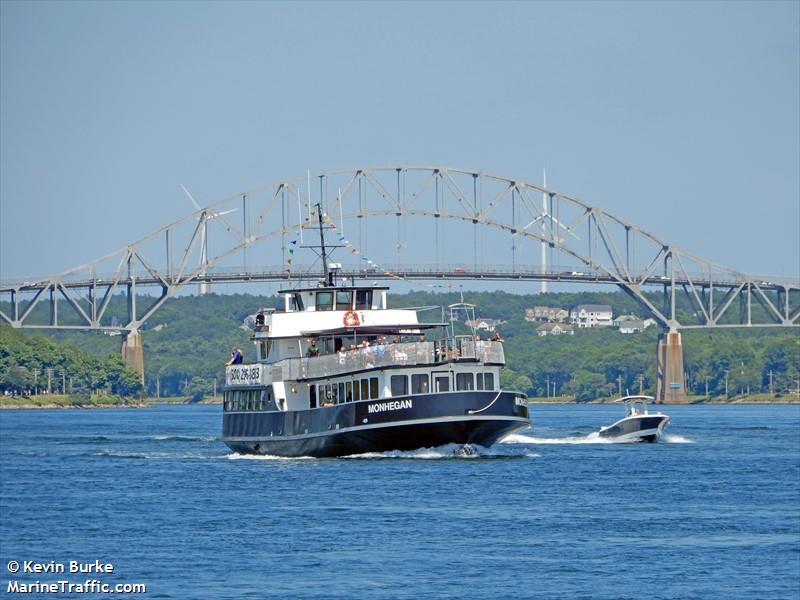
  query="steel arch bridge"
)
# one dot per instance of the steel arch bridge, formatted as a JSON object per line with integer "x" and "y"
{"x": 410, "y": 223}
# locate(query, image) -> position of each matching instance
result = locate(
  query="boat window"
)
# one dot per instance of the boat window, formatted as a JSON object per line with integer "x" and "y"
{"x": 297, "y": 302}
{"x": 365, "y": 389}
{"x": 324, "y": 300}
{"x": 399, "y": 385}
{"x": 419, "y": 384}
{"x": 363, "y": 299}
{"x": 464, "y": 381}
{"x": 488, "y": 381}
{"x": 312, "y": 396}
{"x": 341, "y": 393}
{"x": 344, "y": 300}
{"x": 267, "y": 402}
{"x": 373, "y": 388}
{"x": 348, "y": 391}
{"x": 356, "y": 391}
{"x": 442, "y": 383}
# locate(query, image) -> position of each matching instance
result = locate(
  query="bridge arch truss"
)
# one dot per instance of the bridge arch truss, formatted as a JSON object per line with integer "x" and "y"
{"x": 404, "y": 222}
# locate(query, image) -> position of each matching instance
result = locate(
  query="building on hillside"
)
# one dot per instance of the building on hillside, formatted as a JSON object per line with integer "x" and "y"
{"x": 635, "y": 325}
{"x": 547, "y": 314}
{"x": 623, "y": 318}
{"x": 554, "y": 329}
{"x": 487, "y": 324}
{"x": 591, "y": 315}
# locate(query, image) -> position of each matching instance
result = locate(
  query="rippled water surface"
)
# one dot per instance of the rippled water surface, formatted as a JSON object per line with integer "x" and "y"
{"x": 713, "y": 511}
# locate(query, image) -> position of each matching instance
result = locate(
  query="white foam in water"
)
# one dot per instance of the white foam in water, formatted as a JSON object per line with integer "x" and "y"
{"x": 237, "y": 456}
{"x": 592, "y": 438}
{"x": 184, "y": 438}
{"x": 153, "y": 455}
{"x": 449, "y": 451}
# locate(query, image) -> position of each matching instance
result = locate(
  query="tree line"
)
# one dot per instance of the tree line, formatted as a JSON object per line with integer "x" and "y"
{"x": 35, "y": 364}
{"x": 188, "y": 340}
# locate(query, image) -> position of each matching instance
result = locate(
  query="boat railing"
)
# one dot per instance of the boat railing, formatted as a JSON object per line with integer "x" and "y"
{"x": 385, "y": 355}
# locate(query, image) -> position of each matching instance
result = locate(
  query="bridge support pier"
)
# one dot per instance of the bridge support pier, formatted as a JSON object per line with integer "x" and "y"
{"x": 670, "y": 379}
{"x": 133, "y": 353}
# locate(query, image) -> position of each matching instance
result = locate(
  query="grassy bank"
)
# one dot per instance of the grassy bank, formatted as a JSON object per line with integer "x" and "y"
{"x": 747, "y": 399}
{"x": 69, "y": 401}
{"x": 86, "y": 401}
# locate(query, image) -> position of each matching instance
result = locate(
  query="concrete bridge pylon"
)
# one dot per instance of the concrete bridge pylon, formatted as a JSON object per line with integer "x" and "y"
{"x": 133, "y": 352}
{"x": 670, "y": 378}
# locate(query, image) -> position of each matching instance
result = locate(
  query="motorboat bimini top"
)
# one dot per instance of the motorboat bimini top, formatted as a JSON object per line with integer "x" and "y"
{"x": 638, "y": 425}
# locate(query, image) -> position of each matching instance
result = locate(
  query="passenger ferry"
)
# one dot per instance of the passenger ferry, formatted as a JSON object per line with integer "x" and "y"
{"x": 338, "y": 372}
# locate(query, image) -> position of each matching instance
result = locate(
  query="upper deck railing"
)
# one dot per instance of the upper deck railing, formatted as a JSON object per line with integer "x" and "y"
{"x": 409, "y": 354}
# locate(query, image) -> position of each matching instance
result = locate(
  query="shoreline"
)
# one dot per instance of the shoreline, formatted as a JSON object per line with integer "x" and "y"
{"x": 80, "y": 402}
{"x": 76, "y": 402}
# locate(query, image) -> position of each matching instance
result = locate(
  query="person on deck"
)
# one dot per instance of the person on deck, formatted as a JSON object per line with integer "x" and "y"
{"x": 236, "y": 357}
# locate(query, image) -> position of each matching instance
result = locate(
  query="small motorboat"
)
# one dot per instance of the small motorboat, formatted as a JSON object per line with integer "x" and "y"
{"x": 638, "y": 425}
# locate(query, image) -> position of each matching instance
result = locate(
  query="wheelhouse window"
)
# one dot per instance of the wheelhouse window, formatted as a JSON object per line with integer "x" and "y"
{"x": 399, "y": 385}
{"x": 344, "y": 300}
{"x": 324, "y": 300}
{"x": 297, "y": 302}
{"x": 373, "y": 388}
{"x": 363, "y": 299}
{"x": 419, "y": 384}
{"x": 464, "y": 381}
{"x": 484, "y": 381}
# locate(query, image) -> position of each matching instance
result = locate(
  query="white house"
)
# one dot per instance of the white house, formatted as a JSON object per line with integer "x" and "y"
{"x": 487, "y": 324}
{"x": 554, "y": 329}
{"x": 591, "y": 315}
{"x": 546, "y": 313}
{"x": 618, "y": 321}
{"x": 635, "y": 325}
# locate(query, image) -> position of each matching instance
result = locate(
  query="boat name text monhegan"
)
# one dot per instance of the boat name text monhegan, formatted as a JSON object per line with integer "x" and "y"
{"x": 394, "y": 405}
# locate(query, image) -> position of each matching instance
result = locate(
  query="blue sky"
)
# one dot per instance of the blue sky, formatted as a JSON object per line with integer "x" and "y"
{"x": 684, "y": 118}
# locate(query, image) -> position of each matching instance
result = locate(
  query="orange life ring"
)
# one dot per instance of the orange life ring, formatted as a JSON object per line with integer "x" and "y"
{"x": 351, "y": 319}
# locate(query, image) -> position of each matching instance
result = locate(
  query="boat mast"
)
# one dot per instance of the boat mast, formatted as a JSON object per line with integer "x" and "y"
{"x": 328, "y": 272}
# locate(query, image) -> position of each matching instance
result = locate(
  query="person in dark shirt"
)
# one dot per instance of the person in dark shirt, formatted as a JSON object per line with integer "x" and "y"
{"x": 236, "y": 357}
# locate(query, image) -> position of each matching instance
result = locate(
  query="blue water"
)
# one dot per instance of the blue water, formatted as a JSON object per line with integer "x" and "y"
{"x": 711, "y": 512}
